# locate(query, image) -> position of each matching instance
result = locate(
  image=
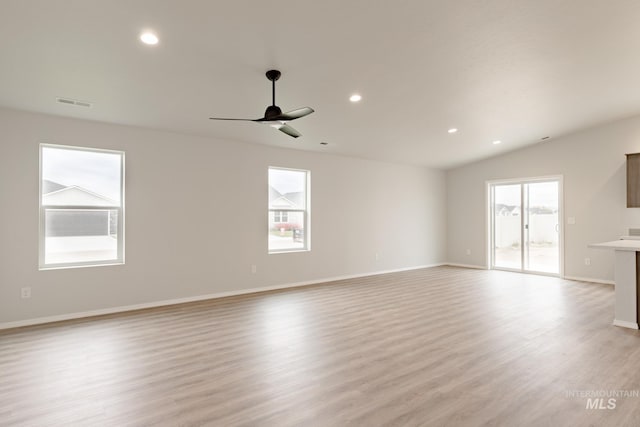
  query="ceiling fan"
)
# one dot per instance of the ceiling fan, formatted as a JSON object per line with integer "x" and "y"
{"x": 273, "y": 115}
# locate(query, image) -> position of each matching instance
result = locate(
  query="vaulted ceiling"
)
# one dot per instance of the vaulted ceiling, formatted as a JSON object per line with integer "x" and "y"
{"x": 508, "y": 70}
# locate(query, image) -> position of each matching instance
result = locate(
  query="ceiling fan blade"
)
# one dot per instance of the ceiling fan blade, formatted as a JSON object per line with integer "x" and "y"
{"x": 237, "y": 120}
{"x": 289, "y": 131}
{"x": 295, "y": 114}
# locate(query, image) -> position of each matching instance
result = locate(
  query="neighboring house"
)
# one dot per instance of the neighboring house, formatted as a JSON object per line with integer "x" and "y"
{"x": 509, "y": 210}
{"x": 282, "y": 218}
{"x": 502, "y": 210}
{"x": 63, "y": 222}
{"x": 542, "y": 210}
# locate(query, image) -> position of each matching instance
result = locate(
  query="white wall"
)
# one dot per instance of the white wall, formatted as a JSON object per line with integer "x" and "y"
{"x": 594, "y": 169}
{"x": 218, "y": 192}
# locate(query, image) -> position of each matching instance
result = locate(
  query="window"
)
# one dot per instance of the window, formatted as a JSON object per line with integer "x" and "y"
{"x": 280, "y": 216}
{"x": 288, "y": 210}
{"x": 81, "y": 206}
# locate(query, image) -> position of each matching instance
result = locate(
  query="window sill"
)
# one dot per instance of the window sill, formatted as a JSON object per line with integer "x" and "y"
{"x": 66, "y": 267}
{"x": 292, "y": 251}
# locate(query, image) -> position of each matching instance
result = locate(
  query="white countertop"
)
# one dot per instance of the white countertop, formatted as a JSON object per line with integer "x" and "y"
{"x": 619, "y": 245}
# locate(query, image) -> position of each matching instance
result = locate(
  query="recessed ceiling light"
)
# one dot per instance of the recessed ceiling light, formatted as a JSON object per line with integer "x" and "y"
{"x": 355, "y": 98}
{"x": 452, "y": 130}
{"x": 324, "y": 143}
{"x": 149, "y": 38}
{"x": 496, "y": 142}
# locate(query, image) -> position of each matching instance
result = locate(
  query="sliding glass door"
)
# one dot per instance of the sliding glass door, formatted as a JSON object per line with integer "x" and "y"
{"x": 507, "y": 230}
{"x": 525, "y": 226}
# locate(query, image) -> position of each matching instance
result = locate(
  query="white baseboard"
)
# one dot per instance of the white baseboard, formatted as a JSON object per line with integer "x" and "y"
{"x": 589, "y": 279}
{"x": 578, "y": 279}
{"x": 120, "y": 309}
{"x": 625, "y": 324}
{"x": 476, "y": 267}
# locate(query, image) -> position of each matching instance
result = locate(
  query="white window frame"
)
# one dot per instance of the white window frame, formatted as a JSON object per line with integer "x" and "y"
{"x": 306, "y": 213}
{"x": 43, "y": 208}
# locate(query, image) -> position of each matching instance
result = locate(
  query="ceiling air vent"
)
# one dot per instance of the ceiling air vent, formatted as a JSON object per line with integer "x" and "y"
{"x": 75, "y": 102}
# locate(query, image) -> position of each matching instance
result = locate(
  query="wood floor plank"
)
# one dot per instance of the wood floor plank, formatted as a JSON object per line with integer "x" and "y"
{"x": 441, "y": 346}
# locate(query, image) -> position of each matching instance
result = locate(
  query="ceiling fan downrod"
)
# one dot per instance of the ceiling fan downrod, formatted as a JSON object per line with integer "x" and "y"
{"x": 273, "y": 75}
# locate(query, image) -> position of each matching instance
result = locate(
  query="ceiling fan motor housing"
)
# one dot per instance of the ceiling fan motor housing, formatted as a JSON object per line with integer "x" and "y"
{"x": 273, "y": 75}
{"x": 272, "y": 112}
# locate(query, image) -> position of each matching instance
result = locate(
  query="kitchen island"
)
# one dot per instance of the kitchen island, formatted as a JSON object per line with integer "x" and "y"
{"x": 626, "y": 273}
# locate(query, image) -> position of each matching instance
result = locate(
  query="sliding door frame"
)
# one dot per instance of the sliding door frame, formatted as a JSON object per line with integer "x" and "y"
{"x": 490, "y": 221}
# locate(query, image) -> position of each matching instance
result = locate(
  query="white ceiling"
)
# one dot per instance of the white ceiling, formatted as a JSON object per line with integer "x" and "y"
{"x": 514, "y": 70}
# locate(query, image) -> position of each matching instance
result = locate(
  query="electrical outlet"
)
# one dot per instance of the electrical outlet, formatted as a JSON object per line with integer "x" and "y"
{"x": 25, "y": 292}
{"x": 587, "y": 261}
{"x": 254, "y": 269}
{"x": 468, "y": 251}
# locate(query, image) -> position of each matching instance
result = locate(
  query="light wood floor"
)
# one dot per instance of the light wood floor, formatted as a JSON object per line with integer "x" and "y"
{"x": 439, "y": 346}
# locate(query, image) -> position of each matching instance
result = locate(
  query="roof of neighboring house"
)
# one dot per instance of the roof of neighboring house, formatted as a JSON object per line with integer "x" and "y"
{"x": 282, "y": 202}
{"x": 294, "y": 200}
{"x": 297, "y": 198}
{"x": 75, "y": 196}
{"x": 273, "y": 194}
{"x": 50, "y": 186}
